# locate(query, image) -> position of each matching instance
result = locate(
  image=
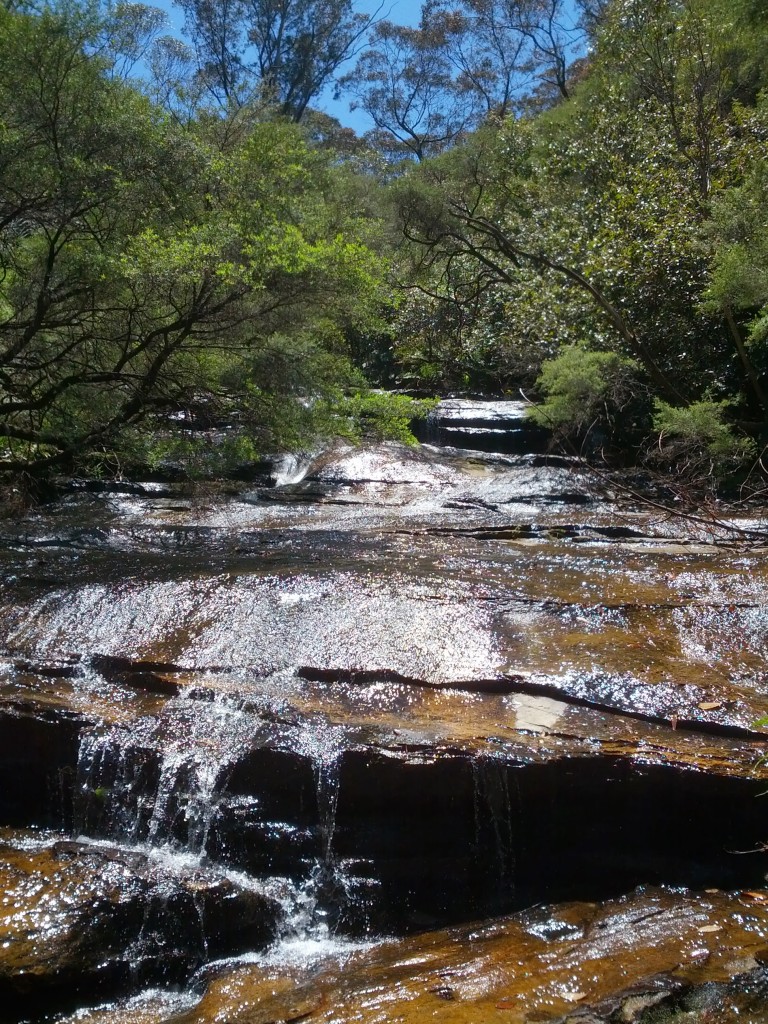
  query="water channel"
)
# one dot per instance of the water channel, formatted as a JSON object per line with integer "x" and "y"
{"x": 462, "y": 732}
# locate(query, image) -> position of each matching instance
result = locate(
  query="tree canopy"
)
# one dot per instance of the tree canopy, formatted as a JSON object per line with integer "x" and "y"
{"x": 282, "y": 52}
{"x": 146, "y": 264}
{"x": 626, "y": 218}
{"x": 548, "y": 192}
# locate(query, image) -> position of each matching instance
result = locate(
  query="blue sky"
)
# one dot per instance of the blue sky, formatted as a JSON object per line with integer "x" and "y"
{"x": 404, "y": 12}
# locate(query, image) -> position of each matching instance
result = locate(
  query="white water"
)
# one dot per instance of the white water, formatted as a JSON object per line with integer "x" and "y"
{"x": 291, "y": 468}
{"x": 155, "y": 788}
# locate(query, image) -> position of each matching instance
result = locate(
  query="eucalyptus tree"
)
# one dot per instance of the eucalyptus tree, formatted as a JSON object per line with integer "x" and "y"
{"x": 405, "y": 83}
{"x": 282, "y": 52}
{"x": 128, "y": 35}
{"x": 590, "y": 223}
{"x": 425, "y": 87}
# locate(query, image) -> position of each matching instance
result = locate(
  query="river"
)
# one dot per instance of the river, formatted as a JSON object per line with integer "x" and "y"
{"x": 464, "y": 732}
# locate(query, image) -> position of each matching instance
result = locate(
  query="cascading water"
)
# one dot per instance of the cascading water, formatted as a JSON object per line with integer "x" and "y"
{"x": 365, "y": 705}
{"x": 327, "y": 887}
{"x": 494, "y": 823}
{"x": 156, "y": 783}
{"x": 160, "y": 787}
{"x": 500, "y": 426}
{"x": 291, "y": 468}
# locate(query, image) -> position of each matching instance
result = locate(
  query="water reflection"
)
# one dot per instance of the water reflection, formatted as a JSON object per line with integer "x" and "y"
{"x": 289, "y": 690}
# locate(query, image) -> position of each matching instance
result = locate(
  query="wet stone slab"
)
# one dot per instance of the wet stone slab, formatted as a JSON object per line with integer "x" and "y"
{"x": 624, "y": 633}
{"x": 472, "y": 576}
{"x": 383, "y": 779}
{"x": 423, "y": 687}
{"x": 78, "y": 918}
{"x": 419, "y": 805}
{"x": 422, "y": 805}
{"x": 642, "y": 958}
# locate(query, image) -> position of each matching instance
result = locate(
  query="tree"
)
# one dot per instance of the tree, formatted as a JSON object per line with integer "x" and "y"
{"x": 688, "y": 66}
{"x": 142, "y": 263}
{"x": 738, "y": 289}
{"x": 490, "y": 213}
{"x": 589, "y": 222}
{"x": 281, "y": 52}
{"x": 129, "y": 33}
{"x": 404, "y": 82}
{"x": 426, "y": 87}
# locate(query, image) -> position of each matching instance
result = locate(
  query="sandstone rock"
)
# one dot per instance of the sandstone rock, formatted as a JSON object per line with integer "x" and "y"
{"x": 78, "y": 918}
{"x": 620, "y": 961}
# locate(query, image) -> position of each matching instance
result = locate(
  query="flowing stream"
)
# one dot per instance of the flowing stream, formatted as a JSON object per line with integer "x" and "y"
{"x": 276, "y": 753}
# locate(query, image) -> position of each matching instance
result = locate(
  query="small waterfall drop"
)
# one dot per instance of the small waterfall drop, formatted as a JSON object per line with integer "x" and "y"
{"x": 291, "y": 468}
{"x": 327, "y": 888}
{"x": 161, "y": 786}
{"x": 494, "y": 826}
{"x": 157, "y": 782}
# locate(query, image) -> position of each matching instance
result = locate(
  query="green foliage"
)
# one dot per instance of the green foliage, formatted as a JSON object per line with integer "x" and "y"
{"x": 281, "y": 53}
{"x": 697, "y": 443}
{"x": 193, "y": 455}
{"x": 147, "y": 264}
{"x": 198, "y": 248}
{"x": 381, "y": 415}
{"x": 482, "y": 345}
{"x": 583, "y": 389}
{"x": 739, "y": 226}
{"x": 633, "y": 215}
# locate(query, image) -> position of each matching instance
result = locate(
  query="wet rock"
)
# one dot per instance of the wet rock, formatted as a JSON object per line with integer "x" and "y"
{"x": 495, "y": 426}
{"x": 38, "y": 755}
{"x": 261, "y": 471}
{"x": 154, "y": 677}
{"x": 363, "y": 677}
{"x": 462, "y": 838}
{"x": 267, "y": 816}
{"x": 107, "y": 665}
{"x": 609, "y": 620}
{"x": 385, "y": 463}
{"x": 63, "y": 667}
{"x": 430, "y": 805}
{"x": 266, "y": 623}
{"x": 425, "y": 686}
{"x": 621, "y": 961}
{"x": 84, "y": 698}
{"x": 440, "y": 805}
{"x": 86, "y": 486}
{"x": 77, "y": 918}
{"x": 424, "y": 807}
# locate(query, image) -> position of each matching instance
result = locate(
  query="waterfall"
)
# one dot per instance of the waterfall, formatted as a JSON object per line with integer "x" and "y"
{"x": 291, "y": 468}
{"x": 157, "y": 782}
{"x": 327, "y": 888}
{"x": 160, "y": 786}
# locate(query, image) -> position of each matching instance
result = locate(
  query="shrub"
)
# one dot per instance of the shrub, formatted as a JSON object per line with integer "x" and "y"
{"x": 696, "y": 442}
{"x": 584, "y": 389}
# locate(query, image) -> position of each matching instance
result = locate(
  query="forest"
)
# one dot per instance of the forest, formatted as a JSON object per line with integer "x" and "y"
{"x": 564, "y": 200}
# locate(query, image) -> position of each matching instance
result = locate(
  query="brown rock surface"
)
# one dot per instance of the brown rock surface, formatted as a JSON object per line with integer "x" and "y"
{"x": 543, "y": 965}
{"x": 77, "y": 917}
{"x": 425, "y": 686}
{"x": 640, "y": 958}
{"x": 478, "y": 571}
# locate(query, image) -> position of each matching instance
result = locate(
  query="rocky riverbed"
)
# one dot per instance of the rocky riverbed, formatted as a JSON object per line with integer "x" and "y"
{"x": 314, "y": 750}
